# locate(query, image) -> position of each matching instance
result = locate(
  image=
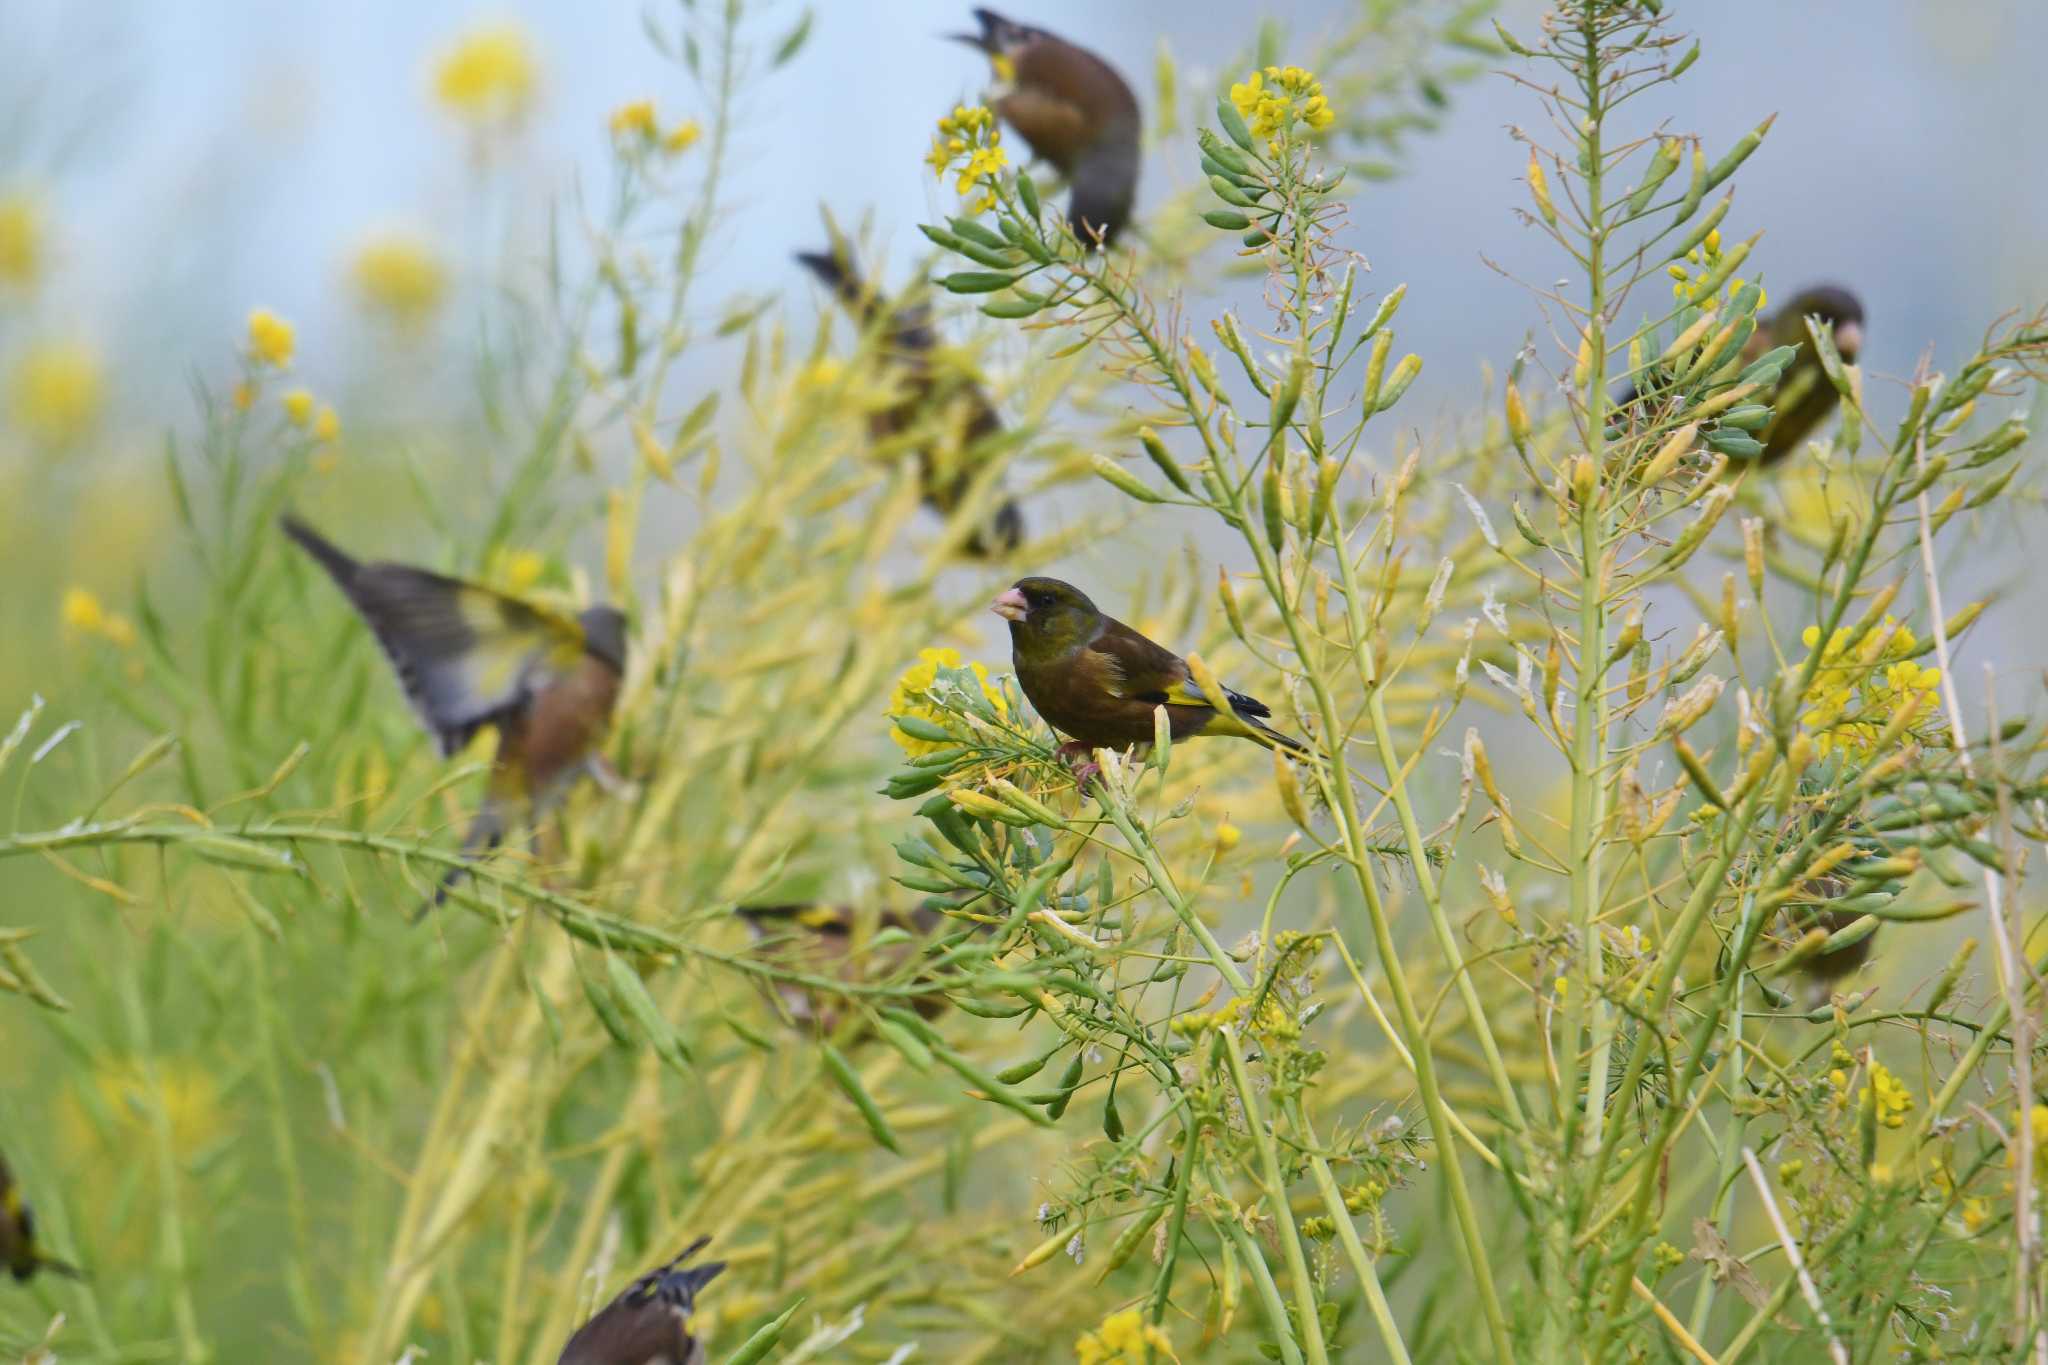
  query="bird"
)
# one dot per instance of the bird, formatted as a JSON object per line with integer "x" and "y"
{"x": 961, "y": 419}
{"x": 1823, "y": 971}
{"x": 1097, "y": 681}
{"x": 18, "y": 1249}
{"x": 1075, "y": 112}
{"x": 1804, "y": 396}
{"x": 469, "y": 656}
{"x": 823, "y": 939}
{"x": 648, "y": 1323}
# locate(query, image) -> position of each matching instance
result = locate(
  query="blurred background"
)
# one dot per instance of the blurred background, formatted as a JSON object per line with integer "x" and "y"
{"x": 166, "y": 169}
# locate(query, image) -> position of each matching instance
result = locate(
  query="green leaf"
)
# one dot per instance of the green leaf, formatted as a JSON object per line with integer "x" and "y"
{"x": 755, "y": 1347}
{"x": 793, "y": 41}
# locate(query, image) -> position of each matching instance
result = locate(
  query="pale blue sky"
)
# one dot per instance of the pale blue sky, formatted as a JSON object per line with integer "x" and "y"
{"x": 210, "y": 155}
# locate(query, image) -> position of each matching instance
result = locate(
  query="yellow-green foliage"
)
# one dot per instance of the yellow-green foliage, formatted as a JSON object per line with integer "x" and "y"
{"x": 1500, "y": 1027}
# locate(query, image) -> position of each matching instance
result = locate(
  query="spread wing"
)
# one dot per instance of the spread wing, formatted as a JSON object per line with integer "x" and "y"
{"x": 465, "y": 655}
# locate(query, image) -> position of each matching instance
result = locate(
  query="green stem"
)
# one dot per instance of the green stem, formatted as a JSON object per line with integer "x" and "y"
{"x": 1347, "y": 1234}
{"x": 1269, "y": 1293}
{"x": 1311, "y": 1322}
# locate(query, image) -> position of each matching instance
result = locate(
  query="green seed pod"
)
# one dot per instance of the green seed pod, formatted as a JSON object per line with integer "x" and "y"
{"x": 1114, "y": 474}
{"x": 1739, "y": 153}
{"x": 848, "y": 1080}
{"x": 1233, "y": 125}
{"x": 1229, "y": 193}
{"x": 1229, "y": 220}
{"x": 1269, "y": 505}
{"x": 1163, "y": 458}
{"x": 1397, "y": 384}
{"x": 1027, "y": 192}
{"x": 1661, "y": 166}
{"x": 975, "y": 282}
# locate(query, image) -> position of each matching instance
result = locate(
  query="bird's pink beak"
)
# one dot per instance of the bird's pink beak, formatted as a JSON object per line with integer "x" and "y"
{"x": 1849, "y": 340}
{"x": 1009, "y": 605}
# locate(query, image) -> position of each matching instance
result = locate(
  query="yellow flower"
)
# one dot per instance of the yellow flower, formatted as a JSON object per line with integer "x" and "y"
{"x": 21, "y": 240}
{"x": 1274, "y": 100}
{"x": 59, "y": 388}
{"x": 327, "y": 425}
{"x": 634, "y": 120}
{"x": 1893, "y": 1100}
{"x": 298, "y": 407}
{"x": 271, "y": 338}
{"x": 399, "y": 278}
{"x": 82, "y": 611}
{"x": 914, "y": 696}
{"x": 970, "y": 137}
{"x": 1227, "y": 837}
{"x": 682, "y": 137}
{"x": 1123, "y": 1339}
{"x": 488, "y": 77}
{"x": 517, "y": 570}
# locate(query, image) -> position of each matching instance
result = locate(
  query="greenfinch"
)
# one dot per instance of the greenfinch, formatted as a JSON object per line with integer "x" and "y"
{"x": 649, "y": 1322}
{"x": 1804, "y": 396}
{"x": 1076, "y": 113}
{"x": 18, "y": 1249}
{"x": 1097, "y": 681}
{"x": 943, "y": 405}
{"x": 469, "y": 656}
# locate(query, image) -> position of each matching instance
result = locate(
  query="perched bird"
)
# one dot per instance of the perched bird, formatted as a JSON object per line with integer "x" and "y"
{"x": 18, "y": 1249}
{"x": 957, "y": 415}
{"x": 469, "y": 657}
{"x": 1076, "y": 113}
{"x": 1096, "y": 680}
{"x": 1804, "y": 397}
{"x": 1822, "y": 972}
{"x": 648, "y": 1323}
{"x": 837, "y": 941}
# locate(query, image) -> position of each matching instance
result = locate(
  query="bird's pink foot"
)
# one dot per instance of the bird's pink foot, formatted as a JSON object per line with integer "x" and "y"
{"x": 1087, "y": 769}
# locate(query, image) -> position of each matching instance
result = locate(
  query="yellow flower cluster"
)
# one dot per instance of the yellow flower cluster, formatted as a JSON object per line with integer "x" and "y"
{"x": 1894, "y": 1102}
{"x": 1687, "y": 284}
{"x": 399, "y": 278}
{"x": 1123, "y": 1339}
{"x": 913, "y": 696}
{"x": 1856, "y": 691}
{"x": 57, "y": 391}
{"x": 1273, "y": 1021}
{"x": 271, "y": 339}
{"x": 516, "y": 570}
{"x": 971, "y": 145}
{"x": 302, "y": 412}
{"x": 1274, "y": 100}
{"x": 84, "y": 614}
{"x": 634, "y": 125}
{"x": 21, "y": 240}
{"x": 488, "y": 78}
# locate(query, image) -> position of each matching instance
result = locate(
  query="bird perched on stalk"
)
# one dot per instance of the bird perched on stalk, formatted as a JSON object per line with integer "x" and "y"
{"x": 823, "y": 939}
{"x": 648, "y": 1323}
{"x": 1097, "y": 681}
{"x": 1804, "y": 396}
{"x": 1074, "y": 110}
{"x": 469, "y": 656}
{"x": 18, "y": 1249}
{"x": 935, "y": 395}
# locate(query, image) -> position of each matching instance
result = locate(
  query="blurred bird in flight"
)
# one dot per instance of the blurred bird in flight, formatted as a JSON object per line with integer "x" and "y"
{"x": 469, "y": 657}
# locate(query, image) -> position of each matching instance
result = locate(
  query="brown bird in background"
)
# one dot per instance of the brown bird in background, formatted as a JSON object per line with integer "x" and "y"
{"x": 1074, "y": 110}
{"x": 1804, "y": 396}
{"x": 932, "y": 393}
{"x": 1823, "y": 972}
{"x": 18, "y": 1249}
{"x": 837, "y": 941}
{"x": 469, "y": 656}
{"x": 648, "y": 1323}
{"x": 1097, "y": 681}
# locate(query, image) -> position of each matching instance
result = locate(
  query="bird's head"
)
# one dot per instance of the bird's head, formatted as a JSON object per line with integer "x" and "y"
{"x": 1834, "y": 305}
{"x": 999, "y": 37}
{"x": 604, "y": 635}
{"x": 1046, "y": 613}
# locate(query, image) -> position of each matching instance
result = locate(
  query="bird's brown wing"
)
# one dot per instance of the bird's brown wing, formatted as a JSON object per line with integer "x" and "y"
{"x": 1143, "y": 670}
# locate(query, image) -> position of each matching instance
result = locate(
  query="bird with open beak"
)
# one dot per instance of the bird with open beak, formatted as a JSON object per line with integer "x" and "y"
{"x": 1074, "y": 110}
{"x": 648, "y": 1323}
{"x": 1097, "y": 681}
{"x": 932, "y": 397}
{"x": 469, "y": 656}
